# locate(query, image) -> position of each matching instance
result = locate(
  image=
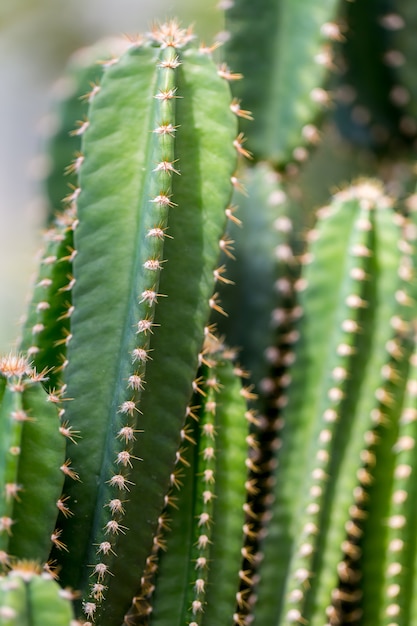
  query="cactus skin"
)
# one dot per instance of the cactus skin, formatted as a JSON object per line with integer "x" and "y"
{"x": 124, "y": 231}
{"x": 275, "y": 55}
{"x": 46, "y": 330}
{"x": 402, "y": 25}
{"x": 33, "y": 451}
{"x": 29, "y": 597}
{"x": 398, "y": 591}
{"x": 263, "y": 270}
{"x": 201, "y": 534}
{"x": 62, "y": 143}
{"x": 318, "y": 420}
{"x": 371, "y": 118}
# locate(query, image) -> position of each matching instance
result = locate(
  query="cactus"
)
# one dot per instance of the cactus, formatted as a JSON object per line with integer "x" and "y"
{"x": 29, "y": 596}
{"x": 32, "y": 446}
{"x": 218, "y": 361}
{"x": 62, "y": 141}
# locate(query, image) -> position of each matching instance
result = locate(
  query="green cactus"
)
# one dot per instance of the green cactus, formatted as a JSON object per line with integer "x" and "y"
{"x": 352, "y": 334}
{"x": 63, "y": 128}
{"x": 28, "y": 596}
{"x": 199, "y": 563}
{"x": 155, "y": 210}
{"x": 274, "y": 53}
{"x": 217, "y": 370}
{"x": 32, "y": 459}
{"x": 368, "y": 98}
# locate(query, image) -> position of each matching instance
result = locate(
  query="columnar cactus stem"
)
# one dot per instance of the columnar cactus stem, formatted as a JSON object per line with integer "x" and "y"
{"x": 46, "y": 331}
{"x": 399, "y": 24}
{"x": 285, "y": 58}
{"x": 371, "y": 115}
{"x": 148, "y": 212}
{"x": 205, "y": 507}
{"x": 29, "y": 597}
{"x": 398, "y": 605}
{"x": 350, "y": 309}
{"x": 33, "y": 451}
{"x": 71, "y": 96}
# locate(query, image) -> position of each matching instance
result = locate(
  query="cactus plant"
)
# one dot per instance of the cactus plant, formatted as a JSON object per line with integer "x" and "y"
{"x": 219, "y": 360}
{"x": 29, "y": 596}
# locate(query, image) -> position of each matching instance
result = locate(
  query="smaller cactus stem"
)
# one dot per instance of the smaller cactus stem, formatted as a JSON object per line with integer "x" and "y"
{"x": 206, "y": 487}
{"x": 13, "y": 416}
{"x": 206, "y": 470}
{"x": 323, "y": 466}
{"x": 145, "y": 317}
{"x": 377, "y": 413}
{"x": 110, "y": 505}
{"x": 28, "y": 596}
{"x": 329, "y": 418}
{"x": 28, "y": 423}
{"x": 237, "y": 452}
{"x": 399, "y": 605}
{"x": 46, "y": 331}
{"x": 378, "y": 512}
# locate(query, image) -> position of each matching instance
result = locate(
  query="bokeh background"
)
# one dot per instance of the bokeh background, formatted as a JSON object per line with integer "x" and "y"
{"x": 36, "y": 39}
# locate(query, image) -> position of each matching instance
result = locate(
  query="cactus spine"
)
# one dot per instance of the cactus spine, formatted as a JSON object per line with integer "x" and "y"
{"x": 32, "y": 446}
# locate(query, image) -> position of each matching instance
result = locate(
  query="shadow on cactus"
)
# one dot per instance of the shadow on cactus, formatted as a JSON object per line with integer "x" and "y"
{"x": 210, "y": 417}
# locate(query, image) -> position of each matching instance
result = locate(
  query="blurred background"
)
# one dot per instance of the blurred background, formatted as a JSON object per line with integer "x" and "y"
{"x": 36, "y": 39}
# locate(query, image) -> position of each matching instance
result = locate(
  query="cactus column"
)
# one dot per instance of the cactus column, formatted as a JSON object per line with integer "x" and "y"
{"x": 154, "y": 185}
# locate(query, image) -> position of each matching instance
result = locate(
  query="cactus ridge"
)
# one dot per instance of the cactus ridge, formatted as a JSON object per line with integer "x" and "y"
{"x": 341, "y": 349}
{"x": 398, "y": 587}
{"x": 46, "y": 331}
{"x": 110, "y": 504}
{"x": 61, "y": 143}
{"x": 261, "y": 51}
{"x": 210, "y": 464}
{"x": 33, "y": 451}
{"x": 28, "y": 596}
